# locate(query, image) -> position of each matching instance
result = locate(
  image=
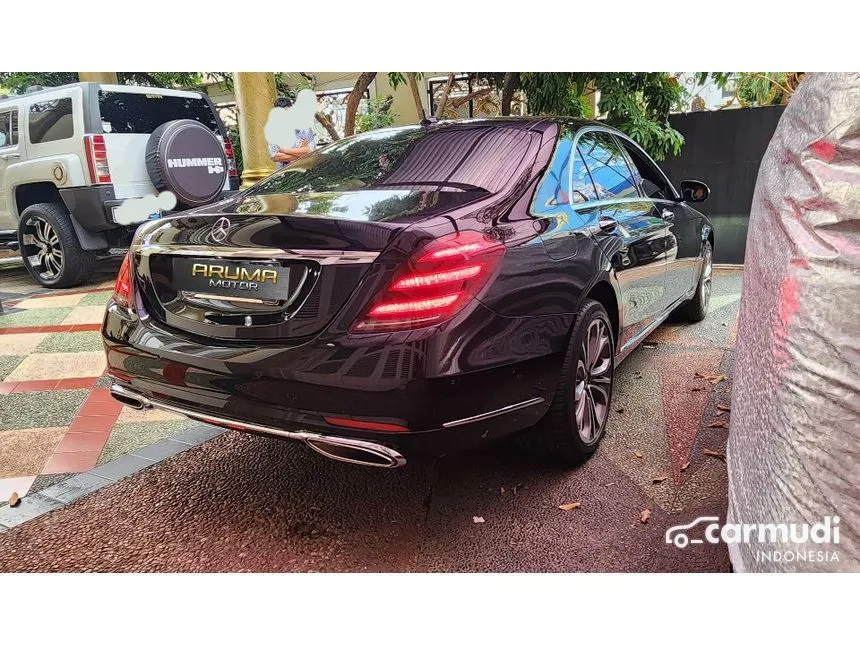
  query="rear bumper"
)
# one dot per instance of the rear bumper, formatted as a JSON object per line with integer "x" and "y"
{"x": 90, "y": 206}
{"x": 327, "y": 387}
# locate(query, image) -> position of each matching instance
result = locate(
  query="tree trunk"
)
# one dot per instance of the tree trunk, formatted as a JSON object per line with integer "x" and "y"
{"x": 471, "y": 96}
{"x": 440, "y": 109}
{"x": 354, "y": 98}
{"x": 512, "y": 80}
{"x": 328, "y": 125}
{"x": 416, "y": 95}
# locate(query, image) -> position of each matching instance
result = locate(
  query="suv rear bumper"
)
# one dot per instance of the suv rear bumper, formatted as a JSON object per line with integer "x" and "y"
{"x": 91, "y": 206}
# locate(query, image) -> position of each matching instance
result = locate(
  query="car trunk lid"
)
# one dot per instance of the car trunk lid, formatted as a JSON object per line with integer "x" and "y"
{"x": 271, "y": 267}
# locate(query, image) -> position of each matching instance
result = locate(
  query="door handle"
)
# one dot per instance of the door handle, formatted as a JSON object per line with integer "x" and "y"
{"x": 668, "y": 215}
{"x": 10, "y": 155}
{"x": 607, "y": 224}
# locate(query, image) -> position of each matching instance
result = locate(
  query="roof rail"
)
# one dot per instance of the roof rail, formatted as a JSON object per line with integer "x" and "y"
{"x": 34, "y": 88}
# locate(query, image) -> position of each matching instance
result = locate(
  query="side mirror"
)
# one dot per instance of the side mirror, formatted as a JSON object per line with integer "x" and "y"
{"x": 694, "y": 191}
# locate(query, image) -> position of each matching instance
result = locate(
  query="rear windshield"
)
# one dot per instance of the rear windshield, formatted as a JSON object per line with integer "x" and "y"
{"x": 127, "y": 113}
{"x": 482, "y": 159}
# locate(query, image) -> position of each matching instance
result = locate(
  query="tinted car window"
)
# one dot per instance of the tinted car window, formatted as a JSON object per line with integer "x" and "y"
{"x": 583, "y": 187}
{"x": 553, "y": 188}
{"x": 650, "y": 180}
{"x": 8, "y": 128}
{"x": 476, "y": 160}
{"x": 605, "y": 161}
{"x": 127, "y": 113}
{"x": 51, "y": 121}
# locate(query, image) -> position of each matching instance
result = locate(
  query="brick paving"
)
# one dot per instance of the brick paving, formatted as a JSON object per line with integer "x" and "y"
{"x": 56, "y": 415}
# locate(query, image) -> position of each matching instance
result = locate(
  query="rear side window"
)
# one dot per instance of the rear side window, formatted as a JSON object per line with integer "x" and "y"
{"x": 51, "y": 121}
{"x": 608, "y": 168}
{"x": 127, "y": 113}
{"x": 8, "y": 128}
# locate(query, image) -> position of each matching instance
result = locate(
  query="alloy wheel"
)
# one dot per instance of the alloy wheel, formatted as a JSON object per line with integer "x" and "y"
{"x": 42, "y": 248}
{"x": 593, "y": 384}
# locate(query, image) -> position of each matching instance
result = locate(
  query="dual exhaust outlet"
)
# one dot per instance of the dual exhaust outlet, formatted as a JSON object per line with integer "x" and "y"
{"x": 353, "y": 451}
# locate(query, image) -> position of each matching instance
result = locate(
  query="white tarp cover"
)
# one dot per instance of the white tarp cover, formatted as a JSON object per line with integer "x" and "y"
{"x": 794, "y": 444}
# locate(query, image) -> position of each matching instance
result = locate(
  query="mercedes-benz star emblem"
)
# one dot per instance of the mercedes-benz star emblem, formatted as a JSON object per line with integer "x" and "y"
{"x": 220, "y": 229}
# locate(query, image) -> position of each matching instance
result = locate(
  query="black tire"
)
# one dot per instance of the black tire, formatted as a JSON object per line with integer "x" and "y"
{"x": 695, "y": 309}
{"x": 557, "y": 436}
{"x": 71, "y": 265}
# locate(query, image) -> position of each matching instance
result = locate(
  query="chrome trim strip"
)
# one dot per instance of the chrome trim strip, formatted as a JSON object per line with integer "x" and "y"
{"x": 494, "y": 413}
{"x": 394, "y": 458}
{"x": 320, "y": 256}
{"x": 633, "y": 343}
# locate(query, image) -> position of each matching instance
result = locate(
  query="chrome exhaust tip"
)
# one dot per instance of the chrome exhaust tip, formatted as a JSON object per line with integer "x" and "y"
{"x": 131, "y": 399}
{"x": 355, "y": 451}
{"x": 351, "y": 451}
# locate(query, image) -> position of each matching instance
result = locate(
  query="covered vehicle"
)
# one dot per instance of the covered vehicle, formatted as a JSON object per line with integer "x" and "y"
{"x": 794, "y": 445}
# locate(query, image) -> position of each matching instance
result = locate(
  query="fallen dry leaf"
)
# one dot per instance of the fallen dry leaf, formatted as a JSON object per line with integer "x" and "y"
{"x": 637, "y": 454}
{"x": 14, "y": 500}
{"x": 620, "y": 410}
{"x": 610, "y": 484}
{"x": 660, "y": 479}
{"x": 503, "y": 490}
{"x": 651, "y": 345}
{"x": 711, "y": 378}
{"x": 516, "y": 488}
{"x": 478, "y": 520}
{"x": 696, "y": 389}
{"x": 714, "y": 453}
{"x": 570, "y": 506}
{"x": 722, "y": 407}
{"x": 719, "y": 413}
{"x": 718, "y": 424}
{"x": 637, "y": 374}
{"x": 685, "y": 466}
{"x": 644, "y": 516}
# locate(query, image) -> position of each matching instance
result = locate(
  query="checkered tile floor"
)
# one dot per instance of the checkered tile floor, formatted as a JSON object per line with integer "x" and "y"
{"x": 56, "y": 416}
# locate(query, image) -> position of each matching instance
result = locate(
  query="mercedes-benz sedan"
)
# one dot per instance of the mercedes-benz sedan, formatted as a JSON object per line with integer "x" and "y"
{"x": 415, "y": 290}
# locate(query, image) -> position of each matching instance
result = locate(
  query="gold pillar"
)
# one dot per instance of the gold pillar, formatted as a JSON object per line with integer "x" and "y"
{"x": 108, "y": 78}
{"x": 255, "y": 96}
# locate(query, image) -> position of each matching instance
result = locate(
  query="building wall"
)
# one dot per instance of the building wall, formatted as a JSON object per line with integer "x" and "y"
{"x": 724, "y": 149}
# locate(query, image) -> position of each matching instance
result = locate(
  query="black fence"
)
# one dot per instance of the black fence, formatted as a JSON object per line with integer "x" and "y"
{"x": 724, "y": 149}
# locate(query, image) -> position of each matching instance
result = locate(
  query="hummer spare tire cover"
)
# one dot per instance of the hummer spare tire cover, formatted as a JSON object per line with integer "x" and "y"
{"x": 186, "y": 158}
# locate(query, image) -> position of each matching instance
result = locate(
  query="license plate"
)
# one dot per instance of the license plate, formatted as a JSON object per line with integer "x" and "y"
{"x": 239, "y": 279}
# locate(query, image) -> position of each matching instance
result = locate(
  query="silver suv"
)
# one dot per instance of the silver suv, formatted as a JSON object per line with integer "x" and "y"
{"x": 70, "y": 156}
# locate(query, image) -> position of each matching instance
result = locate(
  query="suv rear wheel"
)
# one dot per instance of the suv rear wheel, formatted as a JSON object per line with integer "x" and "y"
{"x": 50, "y": 247}
{"x": 574, "y": 425}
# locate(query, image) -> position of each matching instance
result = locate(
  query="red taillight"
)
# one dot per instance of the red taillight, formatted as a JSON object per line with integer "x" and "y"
{"x": 97, "y": 161}
{"x": 122, "y": 290}
{"x": 231, "y": 158}
{"x": 436, "y": 283}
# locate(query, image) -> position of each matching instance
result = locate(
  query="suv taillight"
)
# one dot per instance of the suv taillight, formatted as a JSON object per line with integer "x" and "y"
{"x": 122, "y": 291}
{"x": 436, "y": 283}
{"x": 231, "y": 157}
{"x": 97, "y": 160}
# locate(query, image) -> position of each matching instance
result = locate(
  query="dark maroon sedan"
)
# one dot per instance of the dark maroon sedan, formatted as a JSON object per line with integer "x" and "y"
{"x": 414, "y": 290}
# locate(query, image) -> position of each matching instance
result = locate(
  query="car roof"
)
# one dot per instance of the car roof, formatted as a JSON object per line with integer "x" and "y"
{"x": 529, "y": 123}
{"x": 137, "y": 89}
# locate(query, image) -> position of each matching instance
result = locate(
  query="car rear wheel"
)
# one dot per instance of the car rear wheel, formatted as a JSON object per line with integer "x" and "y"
{"x": 696, "y": 309}
{"x": 50, "y": 247}
{"x": 576, "y": 421}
